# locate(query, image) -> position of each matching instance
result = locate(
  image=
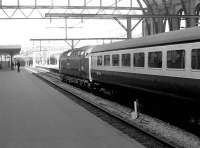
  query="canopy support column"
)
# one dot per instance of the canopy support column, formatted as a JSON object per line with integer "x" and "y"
{"x": 11, "y": 62}
{"x": 129, "y": 28}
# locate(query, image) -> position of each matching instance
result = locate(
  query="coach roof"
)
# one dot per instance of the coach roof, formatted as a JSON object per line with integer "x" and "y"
{"x": 180, "y": 36}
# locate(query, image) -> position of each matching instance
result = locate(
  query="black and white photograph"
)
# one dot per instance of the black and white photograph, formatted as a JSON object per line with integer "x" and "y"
{"x": 100, "y": 74}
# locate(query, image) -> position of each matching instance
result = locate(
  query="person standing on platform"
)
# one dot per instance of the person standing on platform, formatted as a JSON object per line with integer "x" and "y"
{"x": 18, "y": 66}
{"x": 12, "y": 66}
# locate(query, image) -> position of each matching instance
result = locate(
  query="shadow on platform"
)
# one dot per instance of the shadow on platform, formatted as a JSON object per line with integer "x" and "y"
{"x": 7, "y": 69}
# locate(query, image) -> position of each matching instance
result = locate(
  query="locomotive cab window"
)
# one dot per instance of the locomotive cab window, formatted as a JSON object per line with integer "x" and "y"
{"x": 195, "y": 63}
{"x": 126, "y": 59}
{"x": 138, "y": 59}
{"x": 155, "y": 59}
{"x": 106, "y": 60}
{"x": 82, "y": 53}
{"x": 99, "y": 60}
{"x": 69, "y": 53}
{"x": 115, "y": 60}
{"x": 176, "y": 59}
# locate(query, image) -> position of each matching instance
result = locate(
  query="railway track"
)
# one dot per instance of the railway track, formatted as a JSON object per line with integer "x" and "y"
{"x": 152, "y": 132}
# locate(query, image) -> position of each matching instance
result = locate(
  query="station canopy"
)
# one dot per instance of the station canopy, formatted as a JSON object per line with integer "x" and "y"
{"x": 10, "y": 49}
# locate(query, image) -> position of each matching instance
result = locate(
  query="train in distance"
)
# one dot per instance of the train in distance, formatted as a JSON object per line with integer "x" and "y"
{"x": 166, "y": 63}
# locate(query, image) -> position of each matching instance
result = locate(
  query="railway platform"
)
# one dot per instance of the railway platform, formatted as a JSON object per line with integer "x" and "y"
{"x": 35, "y": 115}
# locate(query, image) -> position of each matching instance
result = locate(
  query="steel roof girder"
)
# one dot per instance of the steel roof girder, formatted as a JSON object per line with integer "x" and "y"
{"x": 111, "y": 16}
{"x": 36, "y": 6}
{"x": 120, "y": 23}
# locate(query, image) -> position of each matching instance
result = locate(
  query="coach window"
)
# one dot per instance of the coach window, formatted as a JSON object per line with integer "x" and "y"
{"x": 195, "y": 59}
{"x": 99, "y": 60}
{"x": 138, "y": 59}
{"x": 126, "y": 59}
{"x": 176, "y": 59}
{"x": 155, "y": 59}
{"x": 115, "y": 60}
{"x": 106, "y": 60}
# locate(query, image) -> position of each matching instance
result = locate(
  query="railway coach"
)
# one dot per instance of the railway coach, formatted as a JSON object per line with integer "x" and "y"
{"x": 166, "y": 63}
